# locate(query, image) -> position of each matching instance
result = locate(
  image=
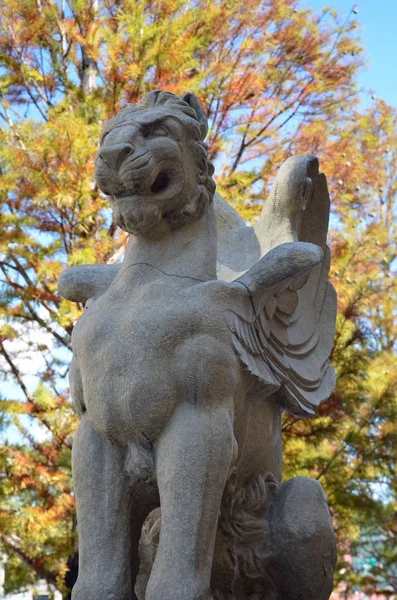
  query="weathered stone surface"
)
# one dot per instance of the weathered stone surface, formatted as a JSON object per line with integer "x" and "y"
{"x": 184, "y": 359}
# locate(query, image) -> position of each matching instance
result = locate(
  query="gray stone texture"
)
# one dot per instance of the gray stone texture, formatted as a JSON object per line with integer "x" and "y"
{"x": 183, "y": 361}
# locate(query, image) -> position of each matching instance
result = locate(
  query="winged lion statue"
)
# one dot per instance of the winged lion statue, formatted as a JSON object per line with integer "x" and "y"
{"x": 184, "y": 359}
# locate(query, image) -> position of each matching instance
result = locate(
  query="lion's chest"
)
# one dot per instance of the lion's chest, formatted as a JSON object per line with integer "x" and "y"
{"x": 124, "y": 348}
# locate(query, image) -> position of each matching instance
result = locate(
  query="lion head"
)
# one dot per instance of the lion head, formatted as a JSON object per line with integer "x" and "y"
{"x": 153, "y": 163}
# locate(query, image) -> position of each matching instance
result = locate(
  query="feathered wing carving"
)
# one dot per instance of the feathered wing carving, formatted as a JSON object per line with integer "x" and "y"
{"x": 283, "y": 325}
{"x": 284, "y": 332}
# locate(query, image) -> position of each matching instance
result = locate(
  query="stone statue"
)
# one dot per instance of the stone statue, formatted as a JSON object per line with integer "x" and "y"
{"x": 183, "y": 361}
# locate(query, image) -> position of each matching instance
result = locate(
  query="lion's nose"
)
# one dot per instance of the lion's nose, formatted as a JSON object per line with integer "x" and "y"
{"x": 116, "y": 154}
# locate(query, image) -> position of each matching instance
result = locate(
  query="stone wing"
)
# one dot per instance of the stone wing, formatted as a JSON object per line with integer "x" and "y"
{"x": 283, "y": 325}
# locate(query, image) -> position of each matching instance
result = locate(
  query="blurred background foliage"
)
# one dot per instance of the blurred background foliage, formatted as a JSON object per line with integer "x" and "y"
{"x": 276, "y": 79}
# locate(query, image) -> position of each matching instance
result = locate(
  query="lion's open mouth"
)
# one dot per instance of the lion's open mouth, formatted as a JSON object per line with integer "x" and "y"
{"x": 160, "y": 183}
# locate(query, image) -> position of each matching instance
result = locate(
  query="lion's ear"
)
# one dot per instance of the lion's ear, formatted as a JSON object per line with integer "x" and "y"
{"x": 193, "y": 102}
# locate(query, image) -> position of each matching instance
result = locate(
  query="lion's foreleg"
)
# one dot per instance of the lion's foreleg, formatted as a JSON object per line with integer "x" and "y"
{"x": 193, "y": 458}
{"x": 104, "y": 518}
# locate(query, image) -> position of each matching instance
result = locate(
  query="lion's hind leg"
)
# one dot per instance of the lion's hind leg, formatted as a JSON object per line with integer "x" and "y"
{"x": 302, "y": 540}
{"x": 275, "y": 541}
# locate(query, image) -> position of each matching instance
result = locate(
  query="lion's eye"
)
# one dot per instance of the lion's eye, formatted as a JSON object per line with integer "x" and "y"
{"x": 158, "y": 130}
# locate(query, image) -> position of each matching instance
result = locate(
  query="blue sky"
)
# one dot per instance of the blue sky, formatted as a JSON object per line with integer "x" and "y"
{"x": 378, "y": 20}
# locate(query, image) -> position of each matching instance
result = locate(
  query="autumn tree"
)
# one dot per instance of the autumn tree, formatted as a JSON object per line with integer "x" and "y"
{"x": 351, "y": 448}
{"x": 275, "y": 79}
